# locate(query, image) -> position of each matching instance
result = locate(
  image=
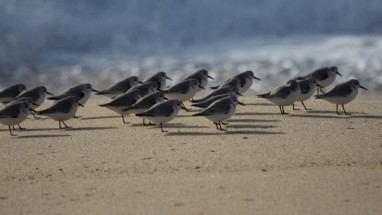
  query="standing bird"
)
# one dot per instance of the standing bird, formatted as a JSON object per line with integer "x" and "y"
{"x": 246, "y": 80}
{"x": 123, "y": 101}
{"x": 209, "y": 101}
{"x": 62, "y": 110}
{"x": 14, "y": 114}
{"x": 307, "y": 88}
{"x": 22, "y": 99}
{"x": 220, "y": 91}
{"x": 160, "y": 79}
{"x": 83, "y": 89}
{"x": 145, "y": 103}
{"x": 220, "y": 110}
{"x": 9, "y": 93}
{"x": 163, "y": 112}
{"x": 201, "y": 76}
{"x": 184, "y": 90}
{"x": 324, "y": 76}
{"x": 120, "y": 87}
{"x": 37, "y": 95}
{"x": 342, "y": 94}
{"x": 284, "y": 95}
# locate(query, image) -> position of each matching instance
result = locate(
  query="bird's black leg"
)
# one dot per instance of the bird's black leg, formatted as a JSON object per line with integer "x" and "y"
{"x": 304, "y": 106}
{"x": 13, "y": 127}
{"x": 318, "y": 91}
{"x": 10, "y": 131}
{"x": 34, "y": 116}
{"x": 59, "y": 124}
{"x": 65, "y": 125}
{"x": 220, "y": 124}
{"x": 161, "y": 128}
{"x": 343, "y": 107}
{"x": 21, "y": 128}
{"x": 123, "y": 119}
{"x": 337, "y": 110}
{"x": 284, "y": 113}
{"x": 294, "y": 107}
{"x": 216, "y": 123}
{"x": 224, "y": 123}
{"x": 281, "y": 110}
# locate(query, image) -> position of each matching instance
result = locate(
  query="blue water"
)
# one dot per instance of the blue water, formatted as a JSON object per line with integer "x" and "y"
{"x": 62, "y": 43}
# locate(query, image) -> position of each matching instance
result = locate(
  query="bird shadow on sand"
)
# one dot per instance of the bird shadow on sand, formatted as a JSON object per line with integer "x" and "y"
{"x": 258, "y": 104}
{"x": 175, "y": 125}
{"x": 43, "y": 136}
{"x": 341, "y": 116}
{"x": 250, "y": 126}
{"x": 72, "y": 129}
{"x": 100, "y": 117}
{"x": 222, "y": 133}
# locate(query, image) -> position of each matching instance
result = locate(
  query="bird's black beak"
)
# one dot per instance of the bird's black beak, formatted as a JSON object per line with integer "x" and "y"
{"x": 165, "y": 98}
{"x": 95, "y": 90}
{"x": 183, "y": 107}
{"x": 362, "y": 87}
{"x": 202, "y": 87}
{"x": 338, "y": 73}
{"x": 141, "y": 82}
{"x": 256, "y": 78}
{"x": 240, "y": 103}
{"x": 319, "y": 86}
{"x": 49, "y": 93}
{"x": 210, "y": 77}
{"x": 239, "y": 94}
{"x": 169, "y": 78}
{"x": 80, "y": 104}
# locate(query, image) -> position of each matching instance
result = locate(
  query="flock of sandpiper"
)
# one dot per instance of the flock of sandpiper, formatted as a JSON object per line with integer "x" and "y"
{"x": 153, "y": 101}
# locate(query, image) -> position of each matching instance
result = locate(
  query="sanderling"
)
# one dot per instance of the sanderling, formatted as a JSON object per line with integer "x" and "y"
{"x": 160, "y": 79}
{"x": 284, "y": 95}
{"x": 83, "y": 90}
{"x": 146, "y": 88}
{"x": 184, "y": 90}
{"x": 14, "y": 114}
{"x": 146, "y": 103}
{"x": 235, "y": 82}
{"x": 220, "y": 91}
{"x": 201, "y": 76}
{"x": 120, "y": 87}
{"x": 162, "y": 112}
{"x": 307, "y": 88}
{"x": 37, "y": 95}
{"x": 62, "y": 110}
{"x": 324, "y": 76}
{"x": 342, "y": 94}
{"x": 220, "y": 110}
{"x": 209, "y": 101}
{"x": 246, "y": 80}
{"x": 123, "y": 101}
{"x": 9, "y": 93}
{"x": 22, "y": 99}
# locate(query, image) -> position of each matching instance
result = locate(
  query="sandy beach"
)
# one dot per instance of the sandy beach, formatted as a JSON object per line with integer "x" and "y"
{"x": 313, "y": 162}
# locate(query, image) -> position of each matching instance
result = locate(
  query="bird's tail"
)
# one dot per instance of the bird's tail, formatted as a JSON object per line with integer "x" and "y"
{"x": 265, "y": 95}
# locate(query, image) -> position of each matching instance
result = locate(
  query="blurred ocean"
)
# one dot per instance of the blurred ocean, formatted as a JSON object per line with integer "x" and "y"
{"x": 63, "y": 43}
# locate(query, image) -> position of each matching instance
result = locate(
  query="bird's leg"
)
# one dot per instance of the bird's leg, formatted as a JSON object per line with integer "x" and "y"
{"x": 294, "y": 107}
{"x": 216, "y": 123}
{"x": 220, "y": 124}
{"x": 343, "y": 107}
{"x": 10, "y": 131}
{"x": 161, "y": 128}
{"x": 281, "y": 110}
{"x": 59, "y": 124}
{"x": 224, "y": 123}
{"x": 337, "y": 110}
{"x": 284, "y": 113}
{"x": 123, "y": 119}
{"x": 65, "y": 125}
{"x": 21, "y": 128}
{"x": 34, "y": 116}
{"x": 318, "y": 91}
{"x": 304, "y": 106}
{"x": 13, "y": 127}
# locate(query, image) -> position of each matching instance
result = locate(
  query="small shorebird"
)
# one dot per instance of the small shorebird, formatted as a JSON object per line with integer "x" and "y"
{"x": 201, "y": 76}
{"x": 307, "y": 88}
{"x": 284, "y": 95}
{"x": 14, "y": 114}
{"x": 220, "y": 110}
{"x": 160, "y": 79}
{"x": 246, "y": 80}
{"x": 22, "y": 99}
{"x": 342, "y": 94}
{"x": 145, "y": 103}
{"x": 220, "y": 91}
{"x": 37, "y": 95}
{"x": 123, "y": 101}
{"x": 83, "y": 89}
{"x": 184, "y": 90}
{"x": 234, "y": 82}
{"x": 324, "y": 76}
{"x": 62, "y": 110}
{"x": 162, "y": 112}
{"x": 9, "y": 93}
{"x": 120, "y": 87}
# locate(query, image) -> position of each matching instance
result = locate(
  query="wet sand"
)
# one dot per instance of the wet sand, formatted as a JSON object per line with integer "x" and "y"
{"x": 313, "y": 162}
